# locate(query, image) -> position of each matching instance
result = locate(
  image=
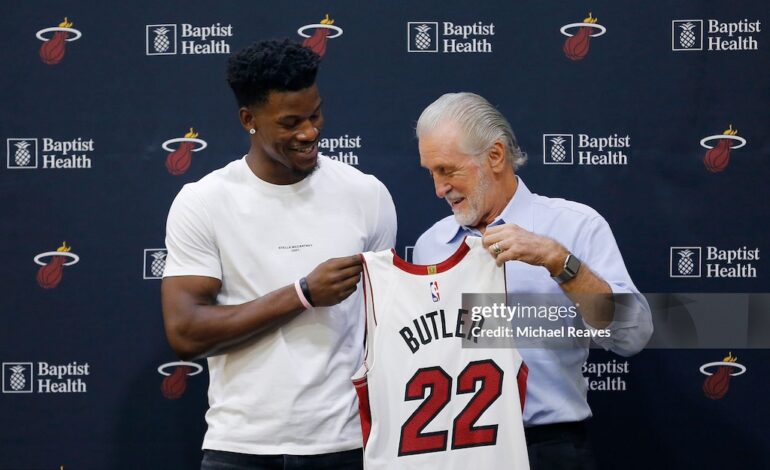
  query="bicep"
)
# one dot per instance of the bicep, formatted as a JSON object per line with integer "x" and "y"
{"x": 180, "y": 295}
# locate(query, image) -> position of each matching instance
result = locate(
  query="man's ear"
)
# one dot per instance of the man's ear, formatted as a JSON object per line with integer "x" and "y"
{"x": 247, "y": 118}
{"x": 496, "y": 157}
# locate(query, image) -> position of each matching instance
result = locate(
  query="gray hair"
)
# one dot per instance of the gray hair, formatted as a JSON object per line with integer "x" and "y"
{"x": 480, "y": 123}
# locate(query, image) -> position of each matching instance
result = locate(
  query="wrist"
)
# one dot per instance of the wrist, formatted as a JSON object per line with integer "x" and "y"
{"x": 555, "y": 263}
{"x": 303, "y": 292}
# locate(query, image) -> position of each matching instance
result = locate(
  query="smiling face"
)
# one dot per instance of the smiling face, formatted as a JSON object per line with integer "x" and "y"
{"x": 464, "y": 181}
{"x": 287, "y": 128}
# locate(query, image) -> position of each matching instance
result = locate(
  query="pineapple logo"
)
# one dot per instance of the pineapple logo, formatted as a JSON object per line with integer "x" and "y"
{"x": 17, "y": 377}
{"x": 422, "y": 36}
{"x": 687, "y": 35}
{"x": 685, "y": 264}
{"x": 18, "y": 381}
{"x": 322, "y": 31}
{"x": 154, "y": 262}
{"x": 22, "y": 153}
{"x": 22, "y": 156}
{"x": 685, "y": 261}
{"x": 557, "y": 149}
{"x": 161, "y": 39}
{"x": 558, "y": 154}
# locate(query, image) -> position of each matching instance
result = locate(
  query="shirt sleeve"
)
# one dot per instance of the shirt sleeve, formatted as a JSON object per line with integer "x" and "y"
{"x": 383, "y": 234}
{"x": 190, "y": 240}
{"x": 632, "y": 327}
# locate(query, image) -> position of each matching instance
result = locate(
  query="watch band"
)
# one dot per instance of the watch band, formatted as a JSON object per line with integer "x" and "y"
{"x": 571, "y": 267}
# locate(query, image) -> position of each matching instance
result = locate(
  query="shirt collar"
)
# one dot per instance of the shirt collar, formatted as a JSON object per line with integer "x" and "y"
{"x": 518, "y": 211}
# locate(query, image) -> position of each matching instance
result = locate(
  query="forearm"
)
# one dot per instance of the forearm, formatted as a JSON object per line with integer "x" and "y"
{"x": 204, "y": 329}
{"x": 591, "y": 295}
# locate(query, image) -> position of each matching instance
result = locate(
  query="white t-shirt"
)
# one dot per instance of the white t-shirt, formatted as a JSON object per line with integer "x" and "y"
{"x": 288, "y": 391}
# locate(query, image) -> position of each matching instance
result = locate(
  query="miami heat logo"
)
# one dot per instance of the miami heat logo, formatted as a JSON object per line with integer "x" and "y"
{"x": 576, "y": 45}
{"x": 179, "y": 160}
{"x": 322, "y": 32}
{"x": 52, "y": 50}
{"x": 175, "y": 383}
{"x": 718, "y": 382}
{"x": 717, "y": 157}
{"x": 50, "y": 273}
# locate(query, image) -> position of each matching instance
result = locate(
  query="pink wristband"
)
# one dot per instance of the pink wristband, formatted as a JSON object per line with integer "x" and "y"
{"x": 301, "y": 296}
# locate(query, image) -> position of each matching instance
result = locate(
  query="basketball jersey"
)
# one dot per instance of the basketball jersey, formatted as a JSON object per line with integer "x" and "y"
{"x": 425, "y": 400}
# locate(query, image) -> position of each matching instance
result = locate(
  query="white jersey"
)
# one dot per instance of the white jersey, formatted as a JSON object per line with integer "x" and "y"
{"x": 425, "y": 400}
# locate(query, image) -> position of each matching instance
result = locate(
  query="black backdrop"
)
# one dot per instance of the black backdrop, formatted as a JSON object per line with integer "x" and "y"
{"x": 119, "y": 92}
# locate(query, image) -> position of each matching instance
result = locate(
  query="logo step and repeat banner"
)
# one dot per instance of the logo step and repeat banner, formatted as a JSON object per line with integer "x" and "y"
{"x": 656, "y": 115}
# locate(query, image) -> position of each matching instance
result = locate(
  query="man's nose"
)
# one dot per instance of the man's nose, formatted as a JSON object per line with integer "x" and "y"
{"x": 442, "y": 186}
{"x": 308, "y": 132}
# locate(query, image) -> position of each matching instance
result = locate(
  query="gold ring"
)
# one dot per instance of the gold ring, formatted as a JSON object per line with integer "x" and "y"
{"x": 496, "y": 248}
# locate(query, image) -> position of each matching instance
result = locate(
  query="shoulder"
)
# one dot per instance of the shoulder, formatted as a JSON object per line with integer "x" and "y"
{"x": 216, "y": 181}
{"x": 551, "y": 207}
{"x": 213, "y": 189}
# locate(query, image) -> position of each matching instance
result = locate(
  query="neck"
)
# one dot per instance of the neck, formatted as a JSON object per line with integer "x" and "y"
{"x": 270, "y": 170}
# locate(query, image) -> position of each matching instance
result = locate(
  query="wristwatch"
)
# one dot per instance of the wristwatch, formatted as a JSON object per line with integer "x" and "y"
{"x": 571, "y": 268}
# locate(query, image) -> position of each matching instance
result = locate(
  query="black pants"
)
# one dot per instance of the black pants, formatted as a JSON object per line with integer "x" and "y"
{"x": 561, "y": 446}
{"x": 220, "y": 460}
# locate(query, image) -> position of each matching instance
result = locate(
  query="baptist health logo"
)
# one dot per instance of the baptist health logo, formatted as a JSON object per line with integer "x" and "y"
{"x": 689, "y": 35}
{"x": 20, "y": 377}
{"x": 688, "y": 262}
{"x": 450, "y": 38}
{"x": 154, "y": 262}
{"x": 24, "y": 153}
{"x": 186, "y": 39}
{"x": 344, "y": 148}
{"x": 559, "y": 149}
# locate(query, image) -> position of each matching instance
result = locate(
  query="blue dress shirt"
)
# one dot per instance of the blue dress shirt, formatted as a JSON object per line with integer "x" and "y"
{"x": 556, "y": 388}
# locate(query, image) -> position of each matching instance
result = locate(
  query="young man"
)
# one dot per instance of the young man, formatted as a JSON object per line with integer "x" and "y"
{"x": 549, "y": 246}
{"x": 262, "y": 271}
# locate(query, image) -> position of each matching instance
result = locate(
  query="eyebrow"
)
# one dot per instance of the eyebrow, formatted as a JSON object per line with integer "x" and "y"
{"x": 298, "y": 116}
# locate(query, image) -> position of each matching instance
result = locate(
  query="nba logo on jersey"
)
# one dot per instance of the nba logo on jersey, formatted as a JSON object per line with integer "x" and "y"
{"x": 434, "y": 291}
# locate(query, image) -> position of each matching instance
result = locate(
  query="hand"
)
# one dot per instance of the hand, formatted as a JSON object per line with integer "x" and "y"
{"x": 334, "y": 280}
{"x": 518, "y": 244}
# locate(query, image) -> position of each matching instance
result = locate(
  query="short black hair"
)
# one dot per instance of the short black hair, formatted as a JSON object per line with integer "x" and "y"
{"x": 271, "y": 65}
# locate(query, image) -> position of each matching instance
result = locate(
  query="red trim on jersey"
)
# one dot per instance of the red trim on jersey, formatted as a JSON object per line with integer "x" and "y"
{"x": 364, "y": 411}
{"x": 424, "y": 269}
{"x": 366, "y": 268}
{"x": 521, "y": 379}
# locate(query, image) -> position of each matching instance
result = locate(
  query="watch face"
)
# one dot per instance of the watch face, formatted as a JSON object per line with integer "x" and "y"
{"x": 572, "y": 265}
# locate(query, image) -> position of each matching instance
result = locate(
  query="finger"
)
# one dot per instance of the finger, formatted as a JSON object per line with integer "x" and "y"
{"x": 494, "y": 229}
{"x": 344, "y": 294}
{"x": 348, "y": 283}
{"x": 346, "y": 261}
{"x": 490, "y": 239}
{"x": 348, "y": 273}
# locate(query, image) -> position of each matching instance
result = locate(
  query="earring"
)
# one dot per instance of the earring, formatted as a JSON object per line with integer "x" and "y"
{"x": 252, "y": 131}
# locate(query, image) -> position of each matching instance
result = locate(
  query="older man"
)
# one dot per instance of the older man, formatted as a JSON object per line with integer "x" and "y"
{"x": 548, "y": 246}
